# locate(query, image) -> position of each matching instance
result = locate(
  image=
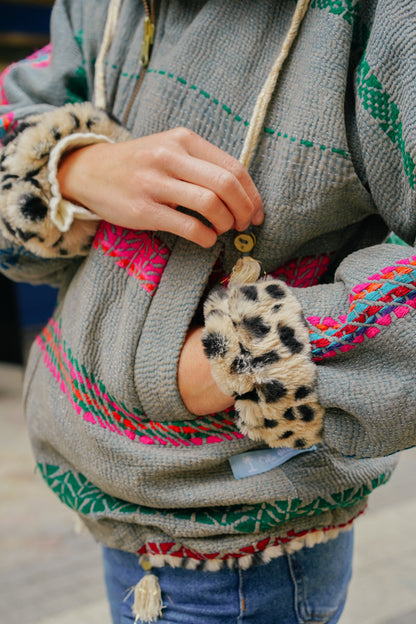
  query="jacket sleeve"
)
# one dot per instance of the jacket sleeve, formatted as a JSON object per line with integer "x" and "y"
{"x": 363, "y": 327}
{"x": 44, "y": 111}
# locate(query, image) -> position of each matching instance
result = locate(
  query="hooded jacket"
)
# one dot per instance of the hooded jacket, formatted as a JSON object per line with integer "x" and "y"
{"x": 335, "y": 169}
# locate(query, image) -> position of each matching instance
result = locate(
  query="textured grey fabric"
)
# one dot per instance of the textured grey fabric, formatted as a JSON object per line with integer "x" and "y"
{"x": 335, "y": 168}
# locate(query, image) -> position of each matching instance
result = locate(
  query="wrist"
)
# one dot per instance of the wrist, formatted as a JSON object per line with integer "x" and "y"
{"x": 74, "y": 175}
{"x": 196, "y": 384}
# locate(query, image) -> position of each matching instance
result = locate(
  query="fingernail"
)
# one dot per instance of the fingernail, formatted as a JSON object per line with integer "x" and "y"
{"x": 258, "y": 218}
{"x": 242, "y": 228}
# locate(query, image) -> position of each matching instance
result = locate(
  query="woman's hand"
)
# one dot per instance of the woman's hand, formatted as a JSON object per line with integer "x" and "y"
{"x": 197, "y": 387}
{"x": 139, "y": 184}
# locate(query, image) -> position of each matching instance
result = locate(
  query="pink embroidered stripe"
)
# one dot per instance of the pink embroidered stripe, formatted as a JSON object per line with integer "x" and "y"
{"x": 6, "y": 124}
{"x": 303, "y": 272}
{"x": 375, "y": 304}
{"x": 91, "y": 400}
{"x": 141, "y": 254}
{"x": 38, "y": 60}
{"x": 299, "y": 272}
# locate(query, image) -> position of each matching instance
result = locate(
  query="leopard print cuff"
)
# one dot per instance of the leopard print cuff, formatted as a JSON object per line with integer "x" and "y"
{"x": 257, "y": 342}
{"x": 26, "y": 190}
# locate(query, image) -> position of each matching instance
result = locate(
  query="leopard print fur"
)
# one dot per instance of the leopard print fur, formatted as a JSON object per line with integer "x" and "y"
{"x": 257, "y": 342}
{"x": 25, "y": 188}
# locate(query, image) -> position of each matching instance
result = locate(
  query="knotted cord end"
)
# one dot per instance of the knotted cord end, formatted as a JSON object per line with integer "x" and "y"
{"x": 246, "y": 271}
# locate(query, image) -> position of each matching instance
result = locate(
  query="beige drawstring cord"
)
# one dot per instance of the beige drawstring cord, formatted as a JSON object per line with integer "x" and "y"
{"x": 108, "y": 36}
{"x": 246, "y": 269}
{"x": 265, "y": 95}
{"x": 147, "y": 605}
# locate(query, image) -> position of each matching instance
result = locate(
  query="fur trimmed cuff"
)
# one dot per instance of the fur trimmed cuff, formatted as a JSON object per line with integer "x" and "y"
{"x": 257, "y": 342}
{"x": 32, "y": 212}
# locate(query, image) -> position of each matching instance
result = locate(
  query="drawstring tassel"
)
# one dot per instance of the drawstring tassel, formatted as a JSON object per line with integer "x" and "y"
{"x": 147, "y": 604}
{"x": 245, "y": 271}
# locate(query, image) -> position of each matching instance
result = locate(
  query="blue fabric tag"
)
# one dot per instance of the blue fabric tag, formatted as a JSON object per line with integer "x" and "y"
{"x": 256, "y": 462}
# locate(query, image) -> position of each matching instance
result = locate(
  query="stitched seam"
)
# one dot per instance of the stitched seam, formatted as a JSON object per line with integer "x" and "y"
{"x": 237, "y": 118}
{"x": 290, "y": 564}
{"x": 240, "y": 595}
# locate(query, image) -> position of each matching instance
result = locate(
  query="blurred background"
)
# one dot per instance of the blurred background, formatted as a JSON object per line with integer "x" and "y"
{"x": 50, "y": 573}
{"x": 24, "y": 28}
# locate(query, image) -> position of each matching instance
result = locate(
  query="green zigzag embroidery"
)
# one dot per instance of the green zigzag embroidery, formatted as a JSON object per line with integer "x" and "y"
{"x": 378, "y": 103}
{"x": 75, "y": 491}
{"x": 349, "y": 10}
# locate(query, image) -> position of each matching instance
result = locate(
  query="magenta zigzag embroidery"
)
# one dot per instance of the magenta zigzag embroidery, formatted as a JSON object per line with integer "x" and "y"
{"x": 304, "y": 271}
{"x": 141, "y": 254}
{"x": 90, "y": 399}
{"x": 374, "y": 304}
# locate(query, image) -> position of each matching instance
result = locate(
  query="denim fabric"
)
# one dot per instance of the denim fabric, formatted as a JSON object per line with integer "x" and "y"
{"x": 306, "y": 587}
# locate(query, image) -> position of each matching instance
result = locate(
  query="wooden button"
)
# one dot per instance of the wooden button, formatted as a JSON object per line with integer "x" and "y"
{"x": 245, "y": 242}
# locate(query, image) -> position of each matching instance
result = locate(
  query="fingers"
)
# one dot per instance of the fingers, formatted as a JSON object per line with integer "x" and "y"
{"x": 214, "y": 192}
{"x": 167, "y": 220}
{"x": 200, "y": 200}
{"x": 203, "y": 164}
{"x": 206, "y": 151}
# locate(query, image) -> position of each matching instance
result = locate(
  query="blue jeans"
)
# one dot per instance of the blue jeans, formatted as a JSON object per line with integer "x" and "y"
{"x": 306, "y": 587}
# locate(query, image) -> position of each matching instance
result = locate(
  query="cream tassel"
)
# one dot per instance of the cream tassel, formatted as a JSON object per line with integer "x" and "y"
{"x": 147, "y": 604}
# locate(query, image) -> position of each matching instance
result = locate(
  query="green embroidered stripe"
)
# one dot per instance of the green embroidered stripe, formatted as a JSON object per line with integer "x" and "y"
{"x": 395, "y": 240}
{"x": 79, "y": 37}
{"x": 75, "y": 491}
{"x": 379, "y": 104}
{"x": 349, "y": 10}
{"x": 238, "y": 118}
{"x": 136, "y": 76}
{"x": 77, "y": 87}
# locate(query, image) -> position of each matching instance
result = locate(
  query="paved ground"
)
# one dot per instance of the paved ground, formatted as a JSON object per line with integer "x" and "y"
{"x": 51, "y": 575}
